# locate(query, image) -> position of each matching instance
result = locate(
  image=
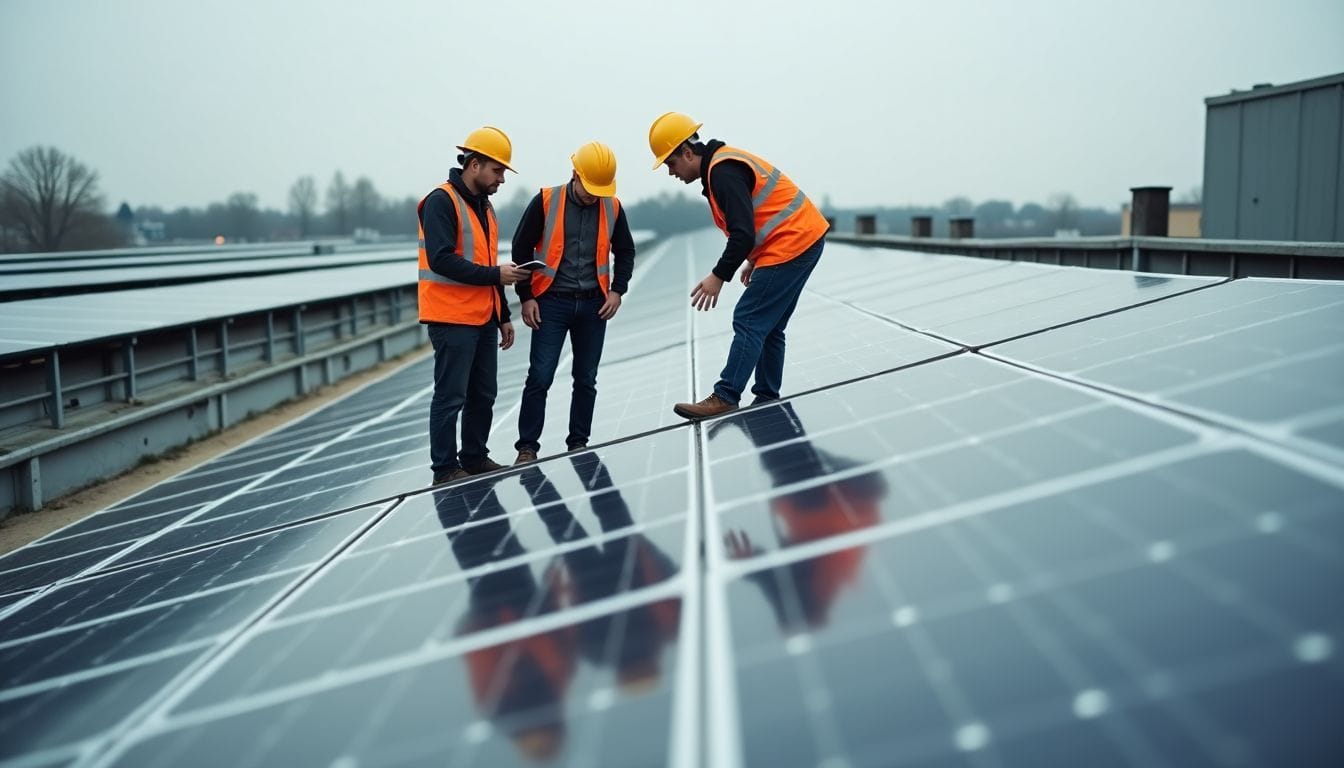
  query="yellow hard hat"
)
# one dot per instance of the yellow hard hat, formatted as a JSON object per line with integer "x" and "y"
{"x": 491, "y": 142}
{"x": 596, "y": 166}
{"x": 668, "y": 132}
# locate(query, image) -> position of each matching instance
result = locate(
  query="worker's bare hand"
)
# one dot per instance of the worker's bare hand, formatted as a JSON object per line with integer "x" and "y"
{"x": 705, "y": 295}
{"x": 609, "y": 307}
{"x": 747, "y": 269}
{"x": 510, "y": 274}
{"x": 505, "y": 335}
{"x": 532, "y": 314}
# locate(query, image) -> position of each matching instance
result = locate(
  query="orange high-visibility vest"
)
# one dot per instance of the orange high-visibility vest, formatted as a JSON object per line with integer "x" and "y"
{"x": 443, "y": 300}
{"x": 786, "y": 222}
{"x": 551, "y": 247}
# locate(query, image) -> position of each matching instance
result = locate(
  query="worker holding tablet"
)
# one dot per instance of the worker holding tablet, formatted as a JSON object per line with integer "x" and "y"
{"x": 579, "y": 233}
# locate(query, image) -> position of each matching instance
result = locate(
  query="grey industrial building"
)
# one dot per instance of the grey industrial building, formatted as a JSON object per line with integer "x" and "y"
{"x": 1274, "y": 163}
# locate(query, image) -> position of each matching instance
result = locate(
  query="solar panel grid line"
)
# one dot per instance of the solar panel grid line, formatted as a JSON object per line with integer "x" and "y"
{"x": 960, "y": 510}
{"x": 686, "y": 747}
{"x": 1070, "y": 669}
{"x": 150, "y": 495}
{"x": 432, "y": 582}
{"x": 1151, "y": 330}
{"x": 1112, "y": 311}
{"x": 136, "y": 709}
{"x": 960, "y": 346}
{"x": 434, "y": 535}
{"x": 103, "y": 670}
{"x": 719, "y": 722}
{"x": 930, "y": 405}
{"x": 907, "y": 617}
{"x": 932, "y": 450}
{"x": 1218, "y": 594}
{"x": 166, "y": 693}
{"x": 1128, "y": 657}
{"x": 1207, "y": 417}
{"x": 152, "y": 606}
{"x": 165, "y": 719}
{"x": 252, "y": 484}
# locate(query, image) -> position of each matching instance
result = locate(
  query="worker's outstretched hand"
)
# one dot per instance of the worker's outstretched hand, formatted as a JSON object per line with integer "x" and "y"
{"x": 505, "y": 335}
{"x": 609, "y": 307}
{"x": 705, "y": 295}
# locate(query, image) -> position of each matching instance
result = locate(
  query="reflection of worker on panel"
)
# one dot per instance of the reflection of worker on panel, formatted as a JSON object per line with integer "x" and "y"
{"x": 631, "y": 641}
{"x": 519, "y": 685}
{"x": 839, "y": 506}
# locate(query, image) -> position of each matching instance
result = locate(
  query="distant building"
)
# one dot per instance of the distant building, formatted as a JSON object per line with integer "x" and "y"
{"x": 1273, "y": 163}
{"x": 1182, "y": 220}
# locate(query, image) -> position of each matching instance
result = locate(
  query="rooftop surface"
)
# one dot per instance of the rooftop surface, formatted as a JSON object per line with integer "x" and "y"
{"x": 1009, "y": 514}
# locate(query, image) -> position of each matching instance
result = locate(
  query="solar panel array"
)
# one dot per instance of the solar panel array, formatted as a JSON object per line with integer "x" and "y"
{"x": 1010, "y": 515}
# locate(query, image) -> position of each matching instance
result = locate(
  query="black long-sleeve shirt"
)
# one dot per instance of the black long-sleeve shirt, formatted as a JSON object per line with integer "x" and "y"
{"x": 438, "y": 218}
{"x": 533, "y": 225}
{"x": 731, "y": 191}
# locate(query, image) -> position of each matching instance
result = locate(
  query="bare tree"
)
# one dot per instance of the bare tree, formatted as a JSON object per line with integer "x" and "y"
{"x": 364, "y": 202}
{"x": 1192, "y": 196}
{"x": 338, "y": 203}
{"x": 243, "y": 215}
{"x": 303, "y": 202}
{"x": 46, "y": 196}
{"x": 1063, "y": 210}
{"x": 959, "y": 206}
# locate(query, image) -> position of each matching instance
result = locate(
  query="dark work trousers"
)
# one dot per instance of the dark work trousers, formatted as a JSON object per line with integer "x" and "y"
{"x": 466, "y": 366}
{"x": 561, "y": 315}
{"x": 759, "y": 319}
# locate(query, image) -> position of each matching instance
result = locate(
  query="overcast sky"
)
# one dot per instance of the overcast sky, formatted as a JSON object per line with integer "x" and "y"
{"x": 183, "y": 102}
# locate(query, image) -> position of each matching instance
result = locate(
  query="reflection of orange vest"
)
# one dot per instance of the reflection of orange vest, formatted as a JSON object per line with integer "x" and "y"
{"x": 786, "y": 222}
{"x": 650, "y": 569}
{"x": 443, "y": 300}
{"x": 552, "y": 652}
{"x": 841, "y": 514}
{"x": 551, "y": 247}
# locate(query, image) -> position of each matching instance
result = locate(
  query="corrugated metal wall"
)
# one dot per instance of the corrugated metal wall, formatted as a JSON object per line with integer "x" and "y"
{"x": 1273, "y": 163}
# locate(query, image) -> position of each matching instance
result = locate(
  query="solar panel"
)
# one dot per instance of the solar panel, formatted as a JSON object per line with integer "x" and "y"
{"x": 1063, "y": 548}
{"x": 1260, "y": 354}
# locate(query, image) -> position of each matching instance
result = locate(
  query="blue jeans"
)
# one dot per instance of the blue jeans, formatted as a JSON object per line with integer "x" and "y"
{"x": 758, "y": 326}
{"x": 561, "y": 316}
{"x": 466, "y": 365}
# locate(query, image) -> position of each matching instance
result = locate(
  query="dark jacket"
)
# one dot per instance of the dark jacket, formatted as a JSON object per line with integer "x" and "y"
{"x": 533, "y": 225}
{"x": 732, "y": 193}
{"x": 439, "y": 221}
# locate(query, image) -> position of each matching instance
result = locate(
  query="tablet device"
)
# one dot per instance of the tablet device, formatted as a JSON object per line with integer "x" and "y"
{"x": 531, "y": 266}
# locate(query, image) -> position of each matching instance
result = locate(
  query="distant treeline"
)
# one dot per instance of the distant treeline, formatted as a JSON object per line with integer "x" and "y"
{"x": 240, "y": 219}
{"x": 993, "y": 218}
{"x": 49, "y": 201}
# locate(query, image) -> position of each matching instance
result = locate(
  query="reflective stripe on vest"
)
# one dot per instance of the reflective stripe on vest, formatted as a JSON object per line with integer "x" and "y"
{"x": 444, "y": 300}
{"x": 551, "y": 247}
{"x": 786, "y": 222}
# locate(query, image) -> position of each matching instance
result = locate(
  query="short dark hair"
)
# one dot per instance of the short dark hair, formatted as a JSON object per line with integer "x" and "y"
{"x": 697, "y": 148}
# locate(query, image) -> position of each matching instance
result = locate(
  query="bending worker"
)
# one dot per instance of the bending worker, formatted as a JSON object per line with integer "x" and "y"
{"x": 575, "y": 228}
{"x": 462, "y": 301}
{"x": 772, "y": 227}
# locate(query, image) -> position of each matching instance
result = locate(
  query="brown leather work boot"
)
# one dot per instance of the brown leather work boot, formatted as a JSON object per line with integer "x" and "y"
{"x": 486, "y": 464}
{"x": 710, "y": 406}
{"x": 525, "y": 456}
{"x": 448, "y": 477}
